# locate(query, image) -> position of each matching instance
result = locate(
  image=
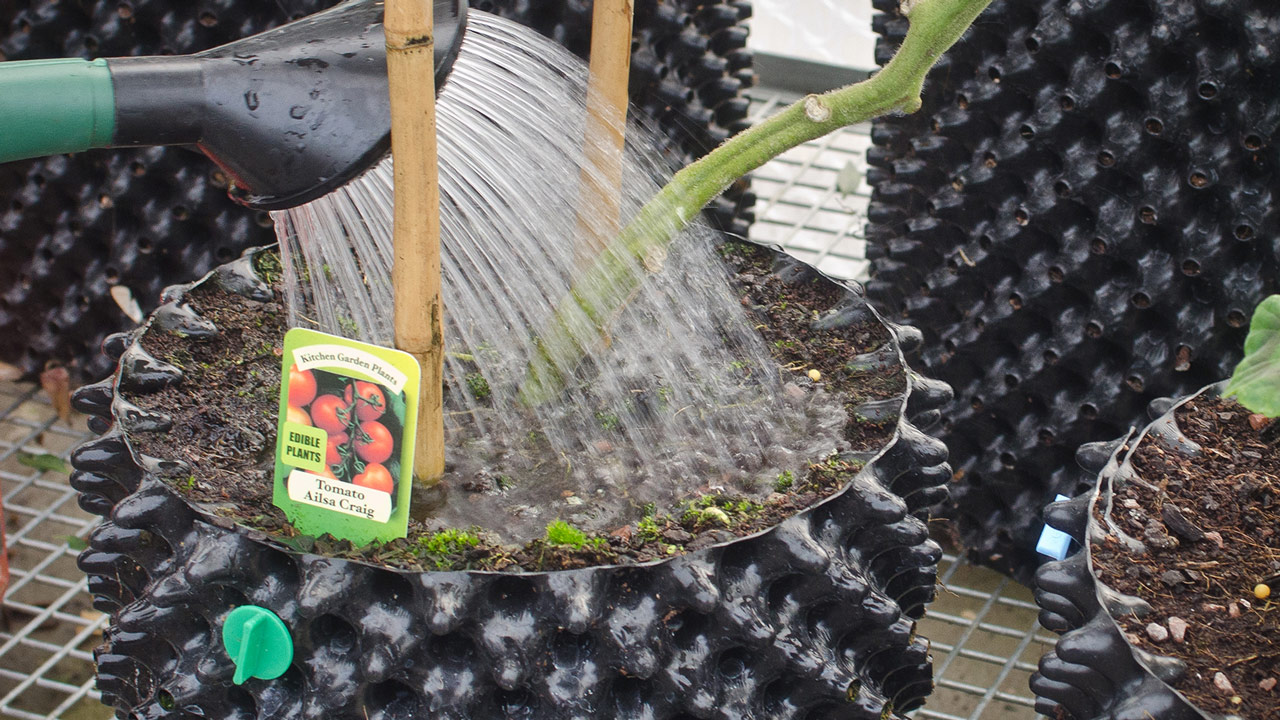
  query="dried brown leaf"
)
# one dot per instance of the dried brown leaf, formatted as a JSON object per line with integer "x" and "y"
{"x": 56, "y": 382}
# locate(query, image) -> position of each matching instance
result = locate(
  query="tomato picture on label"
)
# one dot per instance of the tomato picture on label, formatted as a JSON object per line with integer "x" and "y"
{"x": 302, "y": 387}
{"x": 370, "y": 402}
{"x": 298, "y": 415}
{"x": 363, "y": 424}
{"x": 375, "y": 477}
{"x": 333, "y": 451}
{"x": 374, "y": 443}
{"x": 331, "y": 414}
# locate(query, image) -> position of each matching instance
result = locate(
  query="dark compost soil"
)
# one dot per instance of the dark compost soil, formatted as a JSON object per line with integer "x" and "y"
{"x": 1211, "y": 540}
{"x": 224, "y": 426}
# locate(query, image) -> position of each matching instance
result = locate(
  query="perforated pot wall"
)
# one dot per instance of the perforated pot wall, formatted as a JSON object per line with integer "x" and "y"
{"x": 1080, "y": 219}
{"x": 1094, "y": 672}
{"x": 812, "y": 618}
{"x": 71, "y": 227}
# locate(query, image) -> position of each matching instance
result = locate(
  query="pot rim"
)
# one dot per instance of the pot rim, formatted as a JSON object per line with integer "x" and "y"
{"x": 1104, "y": 594}
{"x": 176, "y": 294}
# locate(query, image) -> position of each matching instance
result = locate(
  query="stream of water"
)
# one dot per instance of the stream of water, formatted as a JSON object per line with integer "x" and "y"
{"x": 682, "y": 395}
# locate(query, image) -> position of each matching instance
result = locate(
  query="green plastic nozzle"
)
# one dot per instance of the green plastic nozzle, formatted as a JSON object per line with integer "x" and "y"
{"x": 289, "y": 115}
{"x": 49, "y": 107}
{"x": 258, "y": 642}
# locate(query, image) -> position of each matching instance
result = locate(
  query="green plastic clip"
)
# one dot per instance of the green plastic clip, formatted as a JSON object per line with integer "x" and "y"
{"x": 258, "y": 642}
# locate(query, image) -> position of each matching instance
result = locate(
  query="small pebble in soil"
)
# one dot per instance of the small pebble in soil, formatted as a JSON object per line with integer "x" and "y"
{"x": 1233, "y": 610}
{"x": 1221, "y": 682}
{"x": 1267, "y": 684}
{"x": 1179, "y": 525}
{"x": 1157, "y": 632}
{"x": 1172, "y": 578}
{"x": 1216, "y": 538}
{"x": 676, "y": 536}
{"x": 1155, "y": 536}
{"x": 1177, "y": 628}
{"x": 1213, "y": 607}
{"x": 1129, "y": 503}
{"x": 1137, "y": 571}
{"x": 793, "y": 393}
{"x": 1257, "y": 421}
{"x": 1262, "y": 591}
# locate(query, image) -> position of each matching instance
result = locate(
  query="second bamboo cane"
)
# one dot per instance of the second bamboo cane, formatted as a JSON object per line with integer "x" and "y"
{"x": 599, "y": 202}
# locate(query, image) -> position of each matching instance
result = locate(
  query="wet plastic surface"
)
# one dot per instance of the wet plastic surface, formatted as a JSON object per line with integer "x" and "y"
{"x": 1094, "y": 672}
{"x": 813, "y": 618}
{"x": 1079, "y": 219}
{"x": 74, "y": 226}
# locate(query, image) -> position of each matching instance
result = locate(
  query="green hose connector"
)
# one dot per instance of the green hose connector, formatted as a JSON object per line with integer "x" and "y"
{"x": 49, "y": 107}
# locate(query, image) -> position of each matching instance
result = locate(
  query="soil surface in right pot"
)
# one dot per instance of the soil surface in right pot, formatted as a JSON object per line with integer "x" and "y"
{"x": 1210, "y": 522}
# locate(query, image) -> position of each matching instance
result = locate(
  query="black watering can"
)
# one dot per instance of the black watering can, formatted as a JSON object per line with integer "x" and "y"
{"x": 289, "y": 114}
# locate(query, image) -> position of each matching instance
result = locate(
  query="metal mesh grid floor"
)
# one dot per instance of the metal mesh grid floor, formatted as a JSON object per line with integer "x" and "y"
{"x": 986, "y": 641}
{"x": 983, "y": 627}
{"x": 48, "y": 627}
{"x": 799, "y": 205}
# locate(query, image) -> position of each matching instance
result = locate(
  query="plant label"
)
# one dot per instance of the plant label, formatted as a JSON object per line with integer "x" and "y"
{"x": 344, "y": 455}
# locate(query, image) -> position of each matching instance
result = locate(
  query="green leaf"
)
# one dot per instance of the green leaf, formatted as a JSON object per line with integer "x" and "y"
{"x": 76, "y": 543}
{"x": 44, "y": 462}
{"x": 1256, "y": 381}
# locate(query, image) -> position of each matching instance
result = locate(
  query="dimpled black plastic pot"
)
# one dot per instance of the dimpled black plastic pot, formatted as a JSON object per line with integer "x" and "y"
{"x": 1094, "y": 671}
{"x": 812, "y": 618}
{"x": 1080, "y": 220}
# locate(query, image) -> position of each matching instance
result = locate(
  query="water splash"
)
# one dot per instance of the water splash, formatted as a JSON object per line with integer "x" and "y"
{"x": 684, "y": 393}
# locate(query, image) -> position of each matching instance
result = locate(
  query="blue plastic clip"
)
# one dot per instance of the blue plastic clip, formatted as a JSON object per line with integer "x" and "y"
{"x": 1053, "y": 542}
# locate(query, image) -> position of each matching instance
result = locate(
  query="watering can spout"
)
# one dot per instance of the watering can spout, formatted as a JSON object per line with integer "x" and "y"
{"x": 290, "y": 114}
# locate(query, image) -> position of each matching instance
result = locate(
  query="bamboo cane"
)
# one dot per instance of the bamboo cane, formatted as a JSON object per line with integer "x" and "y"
{"x": 599, "y": 207}
{"x": 419, "y": 325}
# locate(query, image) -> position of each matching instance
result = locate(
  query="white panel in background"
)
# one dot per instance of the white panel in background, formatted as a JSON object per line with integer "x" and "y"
{"x": 831, "y": 32}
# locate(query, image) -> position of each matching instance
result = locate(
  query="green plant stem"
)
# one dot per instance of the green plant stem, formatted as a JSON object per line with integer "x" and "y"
{"x": 583, "y": 317}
